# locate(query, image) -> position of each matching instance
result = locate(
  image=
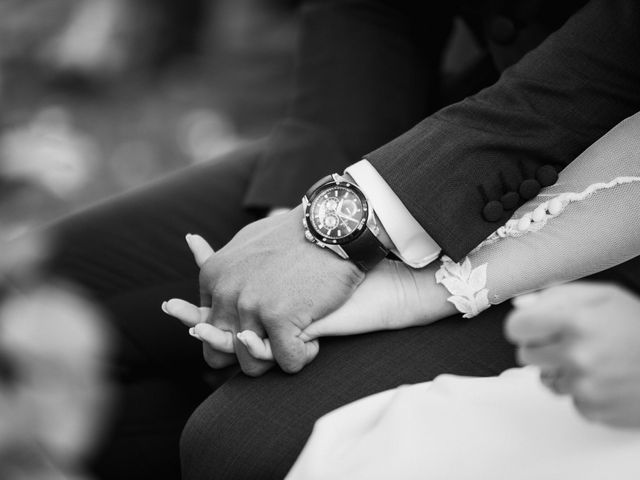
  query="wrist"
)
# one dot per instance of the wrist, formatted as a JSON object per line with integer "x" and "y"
{"x": 317, "y": 255}
{"x": 277, "y": 211}
{"x": 432, "y": 295}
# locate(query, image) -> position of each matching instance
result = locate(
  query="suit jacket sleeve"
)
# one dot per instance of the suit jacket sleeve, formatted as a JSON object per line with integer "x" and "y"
{"x": 546, "y": 109}
{"x": 364, "y": 68}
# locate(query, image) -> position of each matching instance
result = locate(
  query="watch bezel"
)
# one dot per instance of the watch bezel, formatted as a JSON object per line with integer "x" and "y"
{"x": 362, "y": 225}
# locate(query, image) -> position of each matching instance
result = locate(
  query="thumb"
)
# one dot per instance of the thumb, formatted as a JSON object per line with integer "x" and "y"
{"x": 349, "y": 319}
{"x": 558, "y": 296}
{"x": 334, "y": 324}
{"x": 539, "y": 318}
{"x": 201, "y": 251}
{"x": 200, "y": 248}
{"x": 289, "y": 350}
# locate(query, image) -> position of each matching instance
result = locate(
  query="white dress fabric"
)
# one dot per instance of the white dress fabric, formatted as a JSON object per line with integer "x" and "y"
{"x": 463, "y": 428}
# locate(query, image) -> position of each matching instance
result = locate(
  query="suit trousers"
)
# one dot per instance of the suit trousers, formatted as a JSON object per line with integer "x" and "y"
{"x": 129, "y": 254}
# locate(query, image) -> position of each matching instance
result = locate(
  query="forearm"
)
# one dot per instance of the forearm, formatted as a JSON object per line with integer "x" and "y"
{"x": 546, "y": 109}
{"x": 584, "y": 224}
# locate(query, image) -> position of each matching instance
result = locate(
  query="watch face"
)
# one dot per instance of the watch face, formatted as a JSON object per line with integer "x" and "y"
{"x": 337, "y": 213}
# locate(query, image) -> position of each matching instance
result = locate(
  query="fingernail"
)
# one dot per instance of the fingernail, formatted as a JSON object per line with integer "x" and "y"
{"x": 243, "y": 339}
{"x": 164, "y": 307}
{"x": 187, "y": 237}
{"x": 192, "y": 332}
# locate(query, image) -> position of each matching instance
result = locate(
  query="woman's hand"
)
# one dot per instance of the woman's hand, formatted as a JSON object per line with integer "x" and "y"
{"x": 585, "y": 337}
{"x": 392, "y": 296}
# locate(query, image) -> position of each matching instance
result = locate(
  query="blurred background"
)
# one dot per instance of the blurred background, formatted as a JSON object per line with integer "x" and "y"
{"x": 97, "y": 97}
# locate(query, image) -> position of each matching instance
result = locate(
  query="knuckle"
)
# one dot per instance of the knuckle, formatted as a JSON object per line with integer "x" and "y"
{"x": 247, "y": 304}
{"x": 291, "y": 364}
{"x": 220, "y": 290}
{"x": 291, "y": 367}
{"x": 270, "y": 317}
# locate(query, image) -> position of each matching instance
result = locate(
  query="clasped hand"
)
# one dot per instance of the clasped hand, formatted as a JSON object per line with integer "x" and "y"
{"x": 269, "y": 294}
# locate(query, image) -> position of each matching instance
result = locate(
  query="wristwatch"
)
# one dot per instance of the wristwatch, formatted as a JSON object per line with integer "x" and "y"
{"x": 338, "y": 216}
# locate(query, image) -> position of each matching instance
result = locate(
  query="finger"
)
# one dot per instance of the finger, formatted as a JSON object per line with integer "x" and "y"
{"x": 551, "y": 356}
{"x": 289, "y": 350}
{"x": 340, "y": 322}
{"x": 591, "y": 410}
{"x": 311, "y": 350}
{"x": 346, "y": 320}
{"x": 259, "y": 348}
{"x": 218, "y": 339}
{"x": 200, "y": 248}
{"x": 558, "y": 381}
{"x": 249, "y": 364}
{"x": 536, "y": 326}
{"x": 220, "y": 318}
{"x": 186, "y": 312}
{"x": 558, "y": 296}
{"x": 248, "y": 320}
{"x": 541, "y": 316}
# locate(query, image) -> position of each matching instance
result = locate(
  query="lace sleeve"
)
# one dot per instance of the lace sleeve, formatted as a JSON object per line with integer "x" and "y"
{"x": 586, "y": 222}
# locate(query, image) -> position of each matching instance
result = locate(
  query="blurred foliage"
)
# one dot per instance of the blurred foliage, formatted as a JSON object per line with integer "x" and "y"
{"x": 99, "y": 96}
{"x": 152, "y": 86}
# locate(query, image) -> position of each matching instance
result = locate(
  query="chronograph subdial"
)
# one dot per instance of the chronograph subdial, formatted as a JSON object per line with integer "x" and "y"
{"x": 330, "y": 221}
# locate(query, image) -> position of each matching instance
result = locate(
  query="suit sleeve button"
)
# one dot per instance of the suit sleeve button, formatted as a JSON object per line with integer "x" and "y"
{"x": 493, "y": 211}
{"x": 510, "y": 200}
{"x": 529, "y": 188}
{"x": 547, "y": 175}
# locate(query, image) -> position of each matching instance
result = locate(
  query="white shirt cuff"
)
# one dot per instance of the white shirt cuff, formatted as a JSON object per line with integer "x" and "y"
{"x": 412, "y": 244}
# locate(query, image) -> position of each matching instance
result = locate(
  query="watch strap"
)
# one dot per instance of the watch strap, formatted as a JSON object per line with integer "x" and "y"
{"x": 366, "y": 251}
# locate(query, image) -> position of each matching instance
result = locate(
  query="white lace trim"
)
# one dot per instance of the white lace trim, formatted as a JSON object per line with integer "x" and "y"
{"x": 466, "y": 285}
{"x": 538, "y": 218}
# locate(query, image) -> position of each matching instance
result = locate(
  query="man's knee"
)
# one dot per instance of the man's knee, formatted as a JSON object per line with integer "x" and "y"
{"x": 231, "y": 438}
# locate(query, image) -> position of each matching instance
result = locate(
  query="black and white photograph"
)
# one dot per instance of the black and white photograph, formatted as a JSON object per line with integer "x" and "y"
{"x": 319, "y": 240}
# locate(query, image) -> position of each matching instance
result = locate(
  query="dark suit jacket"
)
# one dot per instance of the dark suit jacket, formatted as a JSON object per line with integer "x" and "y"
{"x": 367, "y": 74}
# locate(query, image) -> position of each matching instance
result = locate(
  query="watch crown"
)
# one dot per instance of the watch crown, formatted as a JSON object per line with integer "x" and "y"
{"x": 308, "y": 236}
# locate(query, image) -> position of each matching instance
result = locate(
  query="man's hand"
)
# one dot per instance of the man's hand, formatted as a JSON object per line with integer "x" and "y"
{"x": 270, "y": 280}
{"x": 586, "y": 339}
